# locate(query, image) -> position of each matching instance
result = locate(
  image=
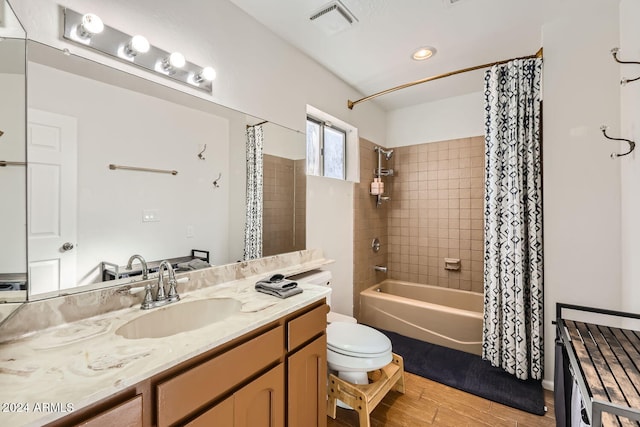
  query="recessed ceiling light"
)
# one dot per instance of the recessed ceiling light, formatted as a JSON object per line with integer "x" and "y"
{"x": 423, "y": 53}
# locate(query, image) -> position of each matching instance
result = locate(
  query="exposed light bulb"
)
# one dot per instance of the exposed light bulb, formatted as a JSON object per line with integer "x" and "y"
{"x": 177, "y": 60}
{"x": 207, "y": 74}
{"x": 173, "y": 61}
{"x": 137, "y": 44}
{"x": 91, "y": 24}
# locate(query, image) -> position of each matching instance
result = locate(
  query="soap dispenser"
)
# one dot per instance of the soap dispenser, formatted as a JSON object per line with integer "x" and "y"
{"x": 375, "y": 187}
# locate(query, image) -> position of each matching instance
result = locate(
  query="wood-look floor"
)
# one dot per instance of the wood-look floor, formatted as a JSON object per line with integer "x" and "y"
{"x": 428, "y": 403}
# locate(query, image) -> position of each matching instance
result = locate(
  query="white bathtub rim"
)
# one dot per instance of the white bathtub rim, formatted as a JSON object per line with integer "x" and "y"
{"x": 371, "y": 292}
{"x": 420, "y": 285}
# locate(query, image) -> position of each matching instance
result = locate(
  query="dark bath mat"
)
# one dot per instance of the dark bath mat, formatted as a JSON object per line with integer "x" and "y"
{"x": 467, "y": 372}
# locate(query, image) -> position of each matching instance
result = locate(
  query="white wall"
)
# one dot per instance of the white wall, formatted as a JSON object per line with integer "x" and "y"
{"x": 450, "y": 118}
{"x": 274, "y": 81}
{"x": 581, "y": 184}
{"x": 630, "y": 165}
{"x": 9, "y": 25}
{"x": 281, "y": 142}
{"x": 333, "y": 231}
{"x": 123, "y": 127}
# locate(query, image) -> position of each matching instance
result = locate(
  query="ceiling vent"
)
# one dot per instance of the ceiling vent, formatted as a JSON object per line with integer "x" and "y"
{"x": 333, "y": 17}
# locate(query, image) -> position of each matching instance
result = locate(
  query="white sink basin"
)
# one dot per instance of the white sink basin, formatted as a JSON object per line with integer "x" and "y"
{"x": 179, "y": 317}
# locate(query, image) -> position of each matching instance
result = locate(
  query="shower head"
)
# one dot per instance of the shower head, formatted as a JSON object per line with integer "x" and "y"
{"x": 387, "y": 153}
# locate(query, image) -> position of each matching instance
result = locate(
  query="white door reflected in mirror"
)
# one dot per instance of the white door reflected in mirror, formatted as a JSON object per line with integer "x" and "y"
{"x": 52, "y": 201}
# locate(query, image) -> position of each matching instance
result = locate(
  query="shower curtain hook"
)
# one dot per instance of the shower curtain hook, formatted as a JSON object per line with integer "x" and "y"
{"x": 632, "y": 145}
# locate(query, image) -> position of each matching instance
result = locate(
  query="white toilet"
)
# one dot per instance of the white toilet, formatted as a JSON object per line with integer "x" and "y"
{"x": 352, "y": 349}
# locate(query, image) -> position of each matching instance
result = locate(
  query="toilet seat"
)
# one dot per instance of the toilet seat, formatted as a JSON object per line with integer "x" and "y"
{"x": 355, "y": 340}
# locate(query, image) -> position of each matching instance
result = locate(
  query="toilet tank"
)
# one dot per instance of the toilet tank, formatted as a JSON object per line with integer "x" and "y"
{"x": 323, "y": 277}
{"x": 315, "y": 277}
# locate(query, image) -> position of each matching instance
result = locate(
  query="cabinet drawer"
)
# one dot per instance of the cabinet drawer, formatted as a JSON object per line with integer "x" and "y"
{"x": 303, "y": 328}
{"x": 191, "y": 390}
{"x": 127, "y": 414}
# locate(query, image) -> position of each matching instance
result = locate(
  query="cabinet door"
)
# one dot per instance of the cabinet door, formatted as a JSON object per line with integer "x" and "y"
{"x": 193, "y": 390}
{"x": 127, "y": 414}
{"x": 261, "y": 402}
{"x": 307, "y": 383}
{"x": 220, "y": 415}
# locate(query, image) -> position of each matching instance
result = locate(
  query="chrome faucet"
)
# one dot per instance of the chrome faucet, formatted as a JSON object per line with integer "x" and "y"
{"x": 145, "y": 270}
{"x": 162, "y": 297}
{"x": 380, "y": 268}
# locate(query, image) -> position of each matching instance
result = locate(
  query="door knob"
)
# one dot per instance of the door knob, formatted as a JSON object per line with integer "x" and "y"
{"x": 67, "y": 246}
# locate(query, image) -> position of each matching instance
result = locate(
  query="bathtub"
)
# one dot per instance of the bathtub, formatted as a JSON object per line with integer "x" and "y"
{"x": 443, "y": 316}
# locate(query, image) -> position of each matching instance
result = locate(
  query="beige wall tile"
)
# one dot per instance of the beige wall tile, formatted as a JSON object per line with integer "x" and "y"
{"x": 436, "y": 211}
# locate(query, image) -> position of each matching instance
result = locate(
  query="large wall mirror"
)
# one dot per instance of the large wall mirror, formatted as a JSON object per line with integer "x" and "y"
{"x": 88, "y": 211}
{"x": 13, "y": 249}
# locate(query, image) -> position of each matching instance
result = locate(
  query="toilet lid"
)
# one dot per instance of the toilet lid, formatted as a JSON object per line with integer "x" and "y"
{"x": 352, "y": 339}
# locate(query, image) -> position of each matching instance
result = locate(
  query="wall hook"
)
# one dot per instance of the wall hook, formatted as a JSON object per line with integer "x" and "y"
{"x": 201, "y": 154}
{"x": 624, "y": 80}
{"x": 632, "y": 145}
{"x": 215, "y": 182}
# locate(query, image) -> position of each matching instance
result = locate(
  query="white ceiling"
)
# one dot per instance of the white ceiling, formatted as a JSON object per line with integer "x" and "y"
{"x": 375, "y": 53}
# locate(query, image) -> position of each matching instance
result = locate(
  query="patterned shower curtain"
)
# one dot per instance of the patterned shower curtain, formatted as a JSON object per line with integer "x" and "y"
{"x": 513, "y": 305}
{"x": 253, "y": 226}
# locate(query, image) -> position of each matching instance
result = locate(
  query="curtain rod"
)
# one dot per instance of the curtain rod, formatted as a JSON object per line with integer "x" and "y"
{"x": 351, "y": 104}
{"x": 257, "y": 124}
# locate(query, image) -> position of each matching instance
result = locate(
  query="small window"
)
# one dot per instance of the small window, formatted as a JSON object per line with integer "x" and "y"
{"x": 326, "y": 148}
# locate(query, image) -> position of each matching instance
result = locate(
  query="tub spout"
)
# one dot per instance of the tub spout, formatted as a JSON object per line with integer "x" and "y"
{"x": 380, "y": 268}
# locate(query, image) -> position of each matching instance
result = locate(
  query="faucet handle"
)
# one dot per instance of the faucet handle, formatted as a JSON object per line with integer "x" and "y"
{"x": 173, "y": 292}
{"x": 147, "y": 303}
{"x": 161, "y": 295}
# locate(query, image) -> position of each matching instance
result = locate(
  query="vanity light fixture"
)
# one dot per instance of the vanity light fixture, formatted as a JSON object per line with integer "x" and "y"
{"x": 89, "y": 31}
{"x": 137, "y": 44}
{"x": 423, "y": 53}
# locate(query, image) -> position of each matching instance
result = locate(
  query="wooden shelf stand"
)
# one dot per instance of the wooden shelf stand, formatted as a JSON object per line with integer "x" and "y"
{"x": 605, "y": 361}
{"x": 364, "y": 398}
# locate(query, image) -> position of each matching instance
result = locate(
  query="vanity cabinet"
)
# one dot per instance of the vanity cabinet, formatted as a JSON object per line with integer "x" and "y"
{"x": 307, "y": 369}
{"x": 272, "y": 377}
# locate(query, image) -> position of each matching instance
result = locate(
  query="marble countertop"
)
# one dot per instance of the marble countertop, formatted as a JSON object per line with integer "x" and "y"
{"x": 82, "y": 362}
